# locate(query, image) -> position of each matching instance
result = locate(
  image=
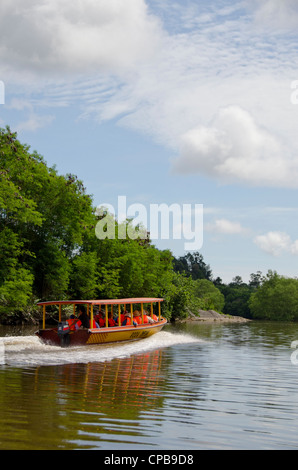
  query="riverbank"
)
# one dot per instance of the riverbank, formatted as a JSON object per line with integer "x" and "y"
{"x": 213, "y": 316}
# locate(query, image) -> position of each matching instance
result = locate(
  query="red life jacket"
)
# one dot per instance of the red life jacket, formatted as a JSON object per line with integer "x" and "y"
{"x": 101, "y": 321}
{"x": 72, "y": 322}
{"x": 111, "y": 322}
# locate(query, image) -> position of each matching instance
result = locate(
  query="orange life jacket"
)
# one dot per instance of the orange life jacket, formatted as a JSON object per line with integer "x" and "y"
{"x": 127, "y": 321}
{"x": 72, "y": 323}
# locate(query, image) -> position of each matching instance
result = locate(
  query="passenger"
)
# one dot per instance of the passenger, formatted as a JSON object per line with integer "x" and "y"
{"x": 95, "y": 323}
{"x": 111, "y": 321}
{"x": 84, "y": 318}
{"x": 100, "y": 319}
{"x": 127, "y": 320}
{"x": 153, "y": 316}
{"x": 137, "y": 317}
{"x": 122, "y": 318}
{"x": 73, "y": 323}
{"x": 97, "y": 317}
{"x": 95, "y": 313}
{"x": 147, "y": 318}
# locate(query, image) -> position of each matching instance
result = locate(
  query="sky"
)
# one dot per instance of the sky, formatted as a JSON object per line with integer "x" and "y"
{"x": 167, "y": 102}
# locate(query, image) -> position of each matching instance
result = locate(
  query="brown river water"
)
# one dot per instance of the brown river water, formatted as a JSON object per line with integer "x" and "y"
{"x": 189, "y": 387}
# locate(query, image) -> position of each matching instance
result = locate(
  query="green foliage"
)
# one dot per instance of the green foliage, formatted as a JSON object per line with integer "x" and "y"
{"x": 130, "y": 267}
{"x": 192, "y": 264}
{"x": 49, "y": 249}
{"x": 275, "y": 299}
{"x": 179, "y": 298}
{"x": 237, "y": 294}
{"x": 43, "y": 219}
{"x": 83, "y": 277}
{"x": 54, "y": 245}
{"x": 211, "y": 297}
{"x": 15, "y": 292}
{"x": 184, "y": 295}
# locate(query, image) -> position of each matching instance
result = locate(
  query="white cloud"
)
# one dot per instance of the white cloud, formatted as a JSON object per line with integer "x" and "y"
{"x": 235, "y": 148}
{"x": 275, "y": 14}
{"x": 34, "y": 122}
{"x": 205, "y": 84}
{"x": 74, "y": 36}
{"x": 276, "y": 243}
{"x": 294, "y": 247}
{"x": 225, "y": 226}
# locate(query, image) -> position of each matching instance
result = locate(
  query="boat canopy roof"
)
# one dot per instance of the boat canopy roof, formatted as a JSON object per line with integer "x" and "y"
{"x": 134, "y": 300}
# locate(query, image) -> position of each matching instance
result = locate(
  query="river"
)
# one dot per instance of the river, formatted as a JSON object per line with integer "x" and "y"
{"x": 189, "y": 387}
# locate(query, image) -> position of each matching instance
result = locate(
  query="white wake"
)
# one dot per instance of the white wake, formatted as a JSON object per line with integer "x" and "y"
{"x": 30, "y": 351}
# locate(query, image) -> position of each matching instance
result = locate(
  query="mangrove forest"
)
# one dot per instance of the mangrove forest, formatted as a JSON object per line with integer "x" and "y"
{"x": 49, "y": 250}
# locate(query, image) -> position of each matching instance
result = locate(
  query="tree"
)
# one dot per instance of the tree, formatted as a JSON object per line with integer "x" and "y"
{"x": 193, "y": 265}
{"x": 17, "y": 212}
{"x": 237, "y": 281}
{"x": 83, "y": 278}
{"x": 211, "y": 297}
{"x": 15, "y": 292}
{"x": 129, "y": 267}
{"x": 43, "y": 221}
{"x": 236, "y": 294}
{"x": 275, "y": 299}
{"x": 179, "y": 297}
{"x": 256, "y": 279}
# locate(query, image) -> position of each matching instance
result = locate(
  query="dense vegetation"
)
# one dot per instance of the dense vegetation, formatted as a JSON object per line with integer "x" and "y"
{"x": 49, "y": 250}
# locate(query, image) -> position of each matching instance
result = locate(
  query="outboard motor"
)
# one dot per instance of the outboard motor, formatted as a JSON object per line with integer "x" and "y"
{"x": 63, "y": 333}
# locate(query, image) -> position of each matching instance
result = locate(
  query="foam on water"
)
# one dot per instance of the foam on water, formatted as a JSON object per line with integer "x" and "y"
{"x": 30, "y": 351}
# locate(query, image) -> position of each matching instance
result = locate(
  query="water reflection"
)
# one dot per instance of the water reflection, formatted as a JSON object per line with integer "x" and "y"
{"x": 62, "y": 407}
{"x": 209, "y": 387}
{"x": 252, "y": 334}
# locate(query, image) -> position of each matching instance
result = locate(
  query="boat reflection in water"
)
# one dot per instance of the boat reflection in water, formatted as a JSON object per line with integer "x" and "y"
{"x": 112, "y": 385}
{"x": 82, "y": 405}
{"x": 100, "y": 404}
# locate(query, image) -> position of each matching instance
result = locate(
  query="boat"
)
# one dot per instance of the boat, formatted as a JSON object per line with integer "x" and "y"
{"x": 65, "y": 334}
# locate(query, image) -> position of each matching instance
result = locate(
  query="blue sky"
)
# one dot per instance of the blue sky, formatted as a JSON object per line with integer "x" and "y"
{"x": 189, "y": 102}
